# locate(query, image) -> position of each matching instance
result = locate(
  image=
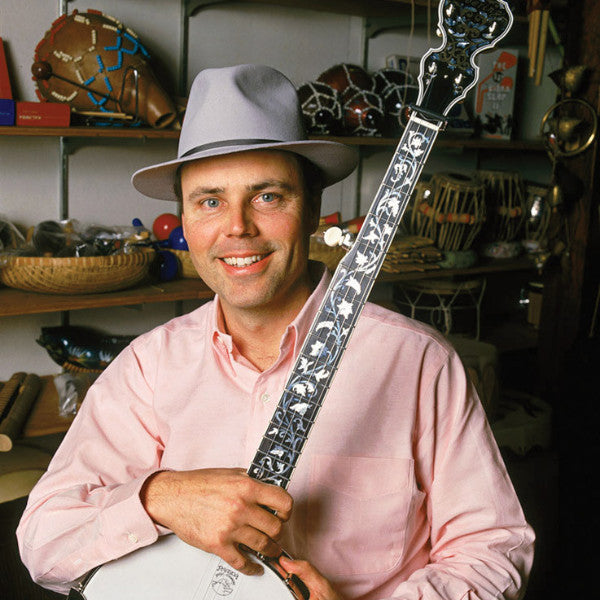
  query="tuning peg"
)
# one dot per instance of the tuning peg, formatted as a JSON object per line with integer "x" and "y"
{"x": 334, "y": 236}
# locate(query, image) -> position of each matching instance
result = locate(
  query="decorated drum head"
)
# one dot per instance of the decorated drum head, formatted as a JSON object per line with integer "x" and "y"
{"x": 344, "y": 77}
{"x": 397, "y": 90}
{"x": 321, "y": 108}
{"x": 96, "y": 64}
{"x": 363, "y": 114}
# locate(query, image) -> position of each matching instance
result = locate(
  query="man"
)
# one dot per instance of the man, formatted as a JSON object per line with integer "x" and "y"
{"x": 400, "y": 491}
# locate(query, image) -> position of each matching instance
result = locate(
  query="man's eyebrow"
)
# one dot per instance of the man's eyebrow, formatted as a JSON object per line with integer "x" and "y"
{"x": 204, "y": 191}
{"x": 267, "y": 183}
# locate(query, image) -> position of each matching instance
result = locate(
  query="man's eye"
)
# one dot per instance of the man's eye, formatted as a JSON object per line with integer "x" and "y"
{"x": 267, "y": 197}
{"x": 211, "y": 203}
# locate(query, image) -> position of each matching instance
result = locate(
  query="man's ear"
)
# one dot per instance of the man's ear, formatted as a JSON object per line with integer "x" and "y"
{"x": 315, "y": 213}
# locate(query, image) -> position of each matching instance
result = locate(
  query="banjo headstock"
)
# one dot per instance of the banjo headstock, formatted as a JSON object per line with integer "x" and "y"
{"x": 468, "y": 27}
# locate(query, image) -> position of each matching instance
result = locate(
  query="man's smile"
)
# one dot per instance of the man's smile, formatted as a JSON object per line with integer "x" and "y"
{"x": 245, "y": 261}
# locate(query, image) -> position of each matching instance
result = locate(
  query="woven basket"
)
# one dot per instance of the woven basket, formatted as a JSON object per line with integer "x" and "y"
{"x": 407, "y": 253}
{"x": 83, "y": 275}
{"x": 187, "y": 269}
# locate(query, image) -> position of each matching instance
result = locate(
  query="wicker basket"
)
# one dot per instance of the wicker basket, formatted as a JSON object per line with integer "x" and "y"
{"x": 84, "y": 275}
{"x": 187, "y": 269}
{"x": 407, "y": 253}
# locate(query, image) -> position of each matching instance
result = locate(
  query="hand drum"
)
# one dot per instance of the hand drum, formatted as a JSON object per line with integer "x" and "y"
{"x": 95, "y": 63}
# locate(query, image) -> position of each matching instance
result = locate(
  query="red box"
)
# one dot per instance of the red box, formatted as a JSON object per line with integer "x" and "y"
{"x": 5, "y": 89}
{"x": 43, "y": 114}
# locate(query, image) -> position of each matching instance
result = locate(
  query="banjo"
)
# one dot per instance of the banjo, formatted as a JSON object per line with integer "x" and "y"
{"x": 172, "y": 568}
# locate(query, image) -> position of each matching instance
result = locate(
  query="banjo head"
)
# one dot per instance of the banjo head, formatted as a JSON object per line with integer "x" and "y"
{"x": 170, "y": 568}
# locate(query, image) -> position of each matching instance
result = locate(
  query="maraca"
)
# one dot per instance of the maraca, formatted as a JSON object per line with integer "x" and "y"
{"x": 177, "y": 240}
{"x": 164, "y": 224}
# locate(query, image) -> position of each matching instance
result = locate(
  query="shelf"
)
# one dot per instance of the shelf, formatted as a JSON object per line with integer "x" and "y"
{"x": 92, "y": 132}
{"x": 173, "y": 134}
{"x": 361, "y": 8}
{"x": 16, "y": 302}
{"x": 486, "y": 267}
{"x": 443, "y": 141}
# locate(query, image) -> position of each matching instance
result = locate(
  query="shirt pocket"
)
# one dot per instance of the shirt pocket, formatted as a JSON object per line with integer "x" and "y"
{"x": 357, "y": 512}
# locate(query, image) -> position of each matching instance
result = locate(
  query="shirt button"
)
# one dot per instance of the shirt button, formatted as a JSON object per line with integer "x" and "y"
{"x": 265, "y": 397}
{"x": 132, "y": 538}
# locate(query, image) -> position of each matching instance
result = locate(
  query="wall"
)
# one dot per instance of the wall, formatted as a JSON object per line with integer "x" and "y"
{"x": 299, "y": 42}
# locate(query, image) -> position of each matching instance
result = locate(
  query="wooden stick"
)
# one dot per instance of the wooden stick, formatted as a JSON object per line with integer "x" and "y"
{"x": 536, "y": 18}
{"x": 530, "y": 38}
{"x": 12, "y": 425}
{"x": 9, "y": 389}
{"x": 541, "y": 53}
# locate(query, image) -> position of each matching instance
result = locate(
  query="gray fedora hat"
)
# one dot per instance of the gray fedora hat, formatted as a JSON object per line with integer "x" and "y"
{"x": 235, "y": 109}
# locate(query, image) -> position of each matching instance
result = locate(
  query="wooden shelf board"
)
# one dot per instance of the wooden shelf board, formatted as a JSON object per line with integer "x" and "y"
{"x": 91, "y": 132}
{"x": 443, "y": 141}
{"x": 171, "y": 134}
{"x": 364, "y": 8}
{"x": 499, "y": 265}
{"x": 16, "y": 302}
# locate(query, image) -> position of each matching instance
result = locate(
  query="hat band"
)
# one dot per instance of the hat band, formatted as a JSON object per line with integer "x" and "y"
{"x": 244, "y": 142}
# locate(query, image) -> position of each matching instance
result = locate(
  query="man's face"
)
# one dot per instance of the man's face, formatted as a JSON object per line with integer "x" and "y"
{"x": 247, "y": 222}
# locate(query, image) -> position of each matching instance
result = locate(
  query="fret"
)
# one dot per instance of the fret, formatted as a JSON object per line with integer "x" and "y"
{"x": 426, "y": 124}
{"x": 268, "y": 444}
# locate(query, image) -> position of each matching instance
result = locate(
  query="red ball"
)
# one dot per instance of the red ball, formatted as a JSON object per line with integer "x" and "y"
{"x": 164, "y": 224}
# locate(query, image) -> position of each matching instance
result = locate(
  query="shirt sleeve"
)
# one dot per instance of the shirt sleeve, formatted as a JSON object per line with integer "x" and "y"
{"x": 481, "y": 544}
{"x": 86, "y": 509}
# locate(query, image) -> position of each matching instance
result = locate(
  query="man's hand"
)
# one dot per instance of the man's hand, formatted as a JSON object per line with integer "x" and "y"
{"x": 217, "y": 510}
{"x": 318, "y": 586}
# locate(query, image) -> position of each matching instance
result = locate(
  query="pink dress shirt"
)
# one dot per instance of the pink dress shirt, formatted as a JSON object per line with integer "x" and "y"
{"x": 400, "y": 492}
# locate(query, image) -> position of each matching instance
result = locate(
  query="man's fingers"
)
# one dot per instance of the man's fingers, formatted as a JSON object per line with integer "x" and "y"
{"x": 242, "y": 562}
{"x": 258, "y": 542}
{"x": 318, "y": 587}
{"x": 275, "y": 499}
{"x": 265, "y": 521}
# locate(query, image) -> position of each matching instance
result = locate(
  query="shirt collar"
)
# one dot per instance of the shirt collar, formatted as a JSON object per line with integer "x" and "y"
{"x": 295, "y": 332}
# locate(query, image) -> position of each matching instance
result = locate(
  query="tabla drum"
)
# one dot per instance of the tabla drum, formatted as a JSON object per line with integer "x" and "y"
{"x": 505, "y": 198}
{"x": 450, "y": 209}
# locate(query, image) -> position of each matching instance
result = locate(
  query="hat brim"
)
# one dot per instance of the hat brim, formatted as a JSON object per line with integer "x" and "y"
{"x": 336, "y": 161}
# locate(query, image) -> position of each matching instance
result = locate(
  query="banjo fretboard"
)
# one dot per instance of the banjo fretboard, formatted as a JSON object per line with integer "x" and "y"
{"x": 344, "y": 300}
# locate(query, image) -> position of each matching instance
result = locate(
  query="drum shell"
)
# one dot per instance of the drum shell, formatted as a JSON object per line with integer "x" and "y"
{"x": 450, "y": 209}
{"x": 98, "y": 52}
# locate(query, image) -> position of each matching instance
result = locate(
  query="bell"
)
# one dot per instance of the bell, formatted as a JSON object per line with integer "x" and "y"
{"x": 570, "y": 79}
{"x": 568, "y": 128}
{"x": 96, "y": 64}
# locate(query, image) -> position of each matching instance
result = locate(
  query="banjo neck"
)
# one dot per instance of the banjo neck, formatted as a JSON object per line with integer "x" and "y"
{"x": 446, "y": 75}
{"x": 338, "y": 313}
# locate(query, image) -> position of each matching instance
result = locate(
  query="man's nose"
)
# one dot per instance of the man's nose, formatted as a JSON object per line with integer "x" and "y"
{"x": 240, "y": 221}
